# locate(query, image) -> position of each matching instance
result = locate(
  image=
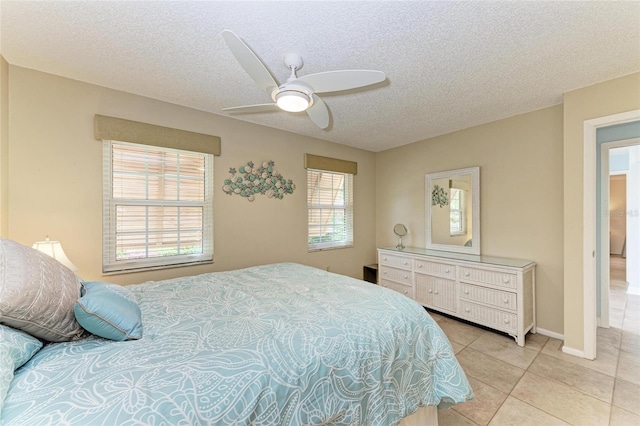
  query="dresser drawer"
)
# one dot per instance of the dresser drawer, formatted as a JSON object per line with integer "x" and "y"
{"x": 435, "y": 268}
{"x": 501, "y": 279}
{"x": 407, "y": 290}
{"x": 488, "y": 296}
{"x": 490, "y": 317}
{"x": 395, "y": 261}
{"x": 436, "y": 292}
{"x": 397, "y": 275}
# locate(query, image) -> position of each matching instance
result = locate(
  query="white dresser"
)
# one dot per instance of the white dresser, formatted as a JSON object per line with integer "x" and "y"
{"x": 493, "y": 291}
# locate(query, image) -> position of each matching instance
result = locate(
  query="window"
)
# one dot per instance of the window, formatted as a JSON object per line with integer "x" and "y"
{"x": 157, "y": 207}
{"x": 457, "y": 211}
{"x": 330, "y": 205}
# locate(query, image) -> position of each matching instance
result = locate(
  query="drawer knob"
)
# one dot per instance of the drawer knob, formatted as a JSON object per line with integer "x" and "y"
{"x": 406, "y": 292}
{"x": 419, "y": 265}
{"x": 405, "y": 276}
{"x": 506, "y": 321}
{"x": 505, "y": 300}
{"x": 466, "y": 291}
{"x": 447, "y": 270}
{"x": 467, "y": 310}
{"x": 430, "y": 291}
{"x": 466, "y": 274}
{"x": 384, "y": 272}
{"x": 384, "y": 258}
{"x": 435, "y": 292}
{"x": 506, "y": 280}
{"x": 406, "y": 263}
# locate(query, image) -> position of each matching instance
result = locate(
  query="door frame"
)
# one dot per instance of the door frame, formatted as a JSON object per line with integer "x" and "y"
{"x": 589, "y": 222}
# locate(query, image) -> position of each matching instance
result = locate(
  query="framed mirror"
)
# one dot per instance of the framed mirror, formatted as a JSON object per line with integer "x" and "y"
{"x": 452, "y": 210}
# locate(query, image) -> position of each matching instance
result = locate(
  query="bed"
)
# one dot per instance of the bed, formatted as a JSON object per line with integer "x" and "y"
{"x": 281, "y": 344}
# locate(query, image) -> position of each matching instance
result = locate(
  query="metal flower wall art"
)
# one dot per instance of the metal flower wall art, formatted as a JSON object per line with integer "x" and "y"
{"x": 439, "y": 197}
{"x": 251, "y": 180}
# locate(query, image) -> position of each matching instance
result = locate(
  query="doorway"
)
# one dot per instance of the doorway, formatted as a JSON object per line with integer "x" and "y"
{"x": 619, "y": 191}
{"x": 617, "y": 236}
{"x": 590, "y": 228}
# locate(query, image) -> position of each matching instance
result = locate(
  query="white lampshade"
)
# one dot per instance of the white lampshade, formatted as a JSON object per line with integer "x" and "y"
{"x": 292, "y": 101}
{"x": 54, "y": 249}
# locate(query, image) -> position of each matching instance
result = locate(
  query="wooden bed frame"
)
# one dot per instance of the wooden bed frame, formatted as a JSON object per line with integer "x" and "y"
{"x": 425, "y": 416}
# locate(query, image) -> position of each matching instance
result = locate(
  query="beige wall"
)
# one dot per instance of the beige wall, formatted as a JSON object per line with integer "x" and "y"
{"x": 599, "y": 100}
{"x": 520, "y": 161}
{"x": 531, "y": 183}
{"x": 55, "y": 179}
{"x": 4, "y": 144}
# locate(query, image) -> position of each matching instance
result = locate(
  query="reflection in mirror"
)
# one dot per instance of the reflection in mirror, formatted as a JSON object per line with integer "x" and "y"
{"x": 400, "y": 230}
{"x": 453, "y": 210}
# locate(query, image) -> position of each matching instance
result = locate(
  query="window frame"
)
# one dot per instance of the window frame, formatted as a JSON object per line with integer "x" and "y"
{"x": 461, "y": 212}
{"x": 110, "y": 263}
{"x": 348, "y": 183}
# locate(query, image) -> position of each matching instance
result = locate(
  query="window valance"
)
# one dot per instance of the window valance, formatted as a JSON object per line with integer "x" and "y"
{"x": 330, "y": 164}
{"x": 119, "y": 129}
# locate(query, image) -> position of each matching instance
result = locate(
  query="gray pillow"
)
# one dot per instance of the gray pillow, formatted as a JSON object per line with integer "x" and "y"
{"x": 16, "y": 348}
{"x": 37, "y": 293}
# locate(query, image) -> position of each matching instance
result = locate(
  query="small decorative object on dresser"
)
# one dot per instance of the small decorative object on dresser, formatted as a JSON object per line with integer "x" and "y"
{"x": 400, "y": 230}
{"x": 495, "y": 292}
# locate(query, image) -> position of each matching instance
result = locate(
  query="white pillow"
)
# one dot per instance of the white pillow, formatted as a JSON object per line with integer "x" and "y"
{"x": 37, "y": 293}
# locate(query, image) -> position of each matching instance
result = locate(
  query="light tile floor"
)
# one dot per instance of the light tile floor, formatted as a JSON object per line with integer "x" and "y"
{"x": 541, "y": 385}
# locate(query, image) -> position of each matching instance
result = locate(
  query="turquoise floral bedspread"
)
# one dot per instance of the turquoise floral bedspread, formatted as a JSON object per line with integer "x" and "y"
{"x": 281, "y": 344}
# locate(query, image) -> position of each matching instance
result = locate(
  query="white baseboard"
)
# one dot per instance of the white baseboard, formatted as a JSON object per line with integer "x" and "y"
{"x": 633, "y": 290}
{"x": 550, "y": 333}
{"x": 566, "y": 349}
{"x": 571, "y": 351}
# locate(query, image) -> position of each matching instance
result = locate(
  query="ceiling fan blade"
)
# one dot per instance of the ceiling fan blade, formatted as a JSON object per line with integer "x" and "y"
{"x": 253, "y": 108}
{"x": 319, "y": 113}
{"x": 250, "y": 62}
{"x": 334, "y": 81}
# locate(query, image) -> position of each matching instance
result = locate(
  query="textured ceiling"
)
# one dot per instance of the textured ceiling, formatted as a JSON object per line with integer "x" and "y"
{"x": 449, "y": 65}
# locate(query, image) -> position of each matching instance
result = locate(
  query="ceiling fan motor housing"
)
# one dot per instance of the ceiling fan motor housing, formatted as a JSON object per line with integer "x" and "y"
{"x": 293, "y": 97}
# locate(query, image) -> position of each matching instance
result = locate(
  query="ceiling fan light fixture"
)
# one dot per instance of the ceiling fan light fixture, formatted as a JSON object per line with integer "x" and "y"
{"x": 293, "y": 101}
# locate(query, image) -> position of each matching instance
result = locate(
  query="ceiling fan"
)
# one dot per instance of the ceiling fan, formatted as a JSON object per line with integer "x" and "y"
{"x": 298, "y": 93}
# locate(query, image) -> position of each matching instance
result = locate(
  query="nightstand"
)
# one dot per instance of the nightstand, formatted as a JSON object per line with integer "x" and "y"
{"x": 370, "y": 273}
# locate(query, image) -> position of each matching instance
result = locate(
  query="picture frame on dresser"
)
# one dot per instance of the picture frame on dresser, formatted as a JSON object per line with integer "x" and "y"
{"x": 494, "y": 292}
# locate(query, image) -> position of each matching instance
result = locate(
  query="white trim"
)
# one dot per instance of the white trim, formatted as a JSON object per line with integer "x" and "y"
{"x": 550, "y": 333}
{"x": 605, "y": 246}
{"x": 572, "y": 351}
{"x": 589, "y": 225}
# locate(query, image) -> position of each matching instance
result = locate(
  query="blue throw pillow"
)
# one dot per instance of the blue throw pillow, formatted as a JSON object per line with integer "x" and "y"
{"x": 109, "y": 311}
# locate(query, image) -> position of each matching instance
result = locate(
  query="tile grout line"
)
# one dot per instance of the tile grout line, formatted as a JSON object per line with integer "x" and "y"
{"x": 519, "y": 380}
{"x": 538, "y": 352}
{"x": 615, "y": 377}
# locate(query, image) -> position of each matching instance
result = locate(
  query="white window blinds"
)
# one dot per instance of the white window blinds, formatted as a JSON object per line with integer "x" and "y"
{"x": 157, "y": 207}
{"x": 457, "y": 212}
{"x": 330, "y": 209}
